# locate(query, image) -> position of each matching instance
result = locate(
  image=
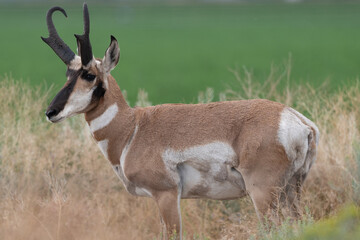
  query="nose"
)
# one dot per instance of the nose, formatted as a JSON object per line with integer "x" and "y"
{"x": 51, "y": 112}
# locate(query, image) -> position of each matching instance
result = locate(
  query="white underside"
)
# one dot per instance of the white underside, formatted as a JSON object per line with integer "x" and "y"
{"x": 229, "y": 188}
{"x": 205, "y": 171}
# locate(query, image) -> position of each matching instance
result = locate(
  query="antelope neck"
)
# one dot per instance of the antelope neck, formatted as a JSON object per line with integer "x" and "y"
{"x": 111, "y": 107}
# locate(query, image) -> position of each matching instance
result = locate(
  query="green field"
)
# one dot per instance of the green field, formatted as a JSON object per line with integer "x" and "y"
{"x": 174, "y": 51}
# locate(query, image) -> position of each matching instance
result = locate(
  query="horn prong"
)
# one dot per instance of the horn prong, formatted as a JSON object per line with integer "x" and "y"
{"x": 84, "y": 45}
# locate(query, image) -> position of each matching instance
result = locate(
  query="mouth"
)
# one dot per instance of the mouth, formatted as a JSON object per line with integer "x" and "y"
{"x": 55, "y": 119}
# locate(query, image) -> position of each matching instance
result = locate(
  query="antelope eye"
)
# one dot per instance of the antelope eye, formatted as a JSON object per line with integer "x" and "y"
{"x": 88, "y": 77}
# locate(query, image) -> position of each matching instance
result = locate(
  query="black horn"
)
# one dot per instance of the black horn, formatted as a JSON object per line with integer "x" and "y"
{"x": 84, "y": 46}
{"x": 54, "y": 41}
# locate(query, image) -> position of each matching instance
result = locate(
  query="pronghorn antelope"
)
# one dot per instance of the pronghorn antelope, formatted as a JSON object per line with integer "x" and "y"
{"x": 222, "y": 150}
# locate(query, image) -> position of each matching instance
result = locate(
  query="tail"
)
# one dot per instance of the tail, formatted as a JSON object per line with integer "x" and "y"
{"x": 313, "y": 142}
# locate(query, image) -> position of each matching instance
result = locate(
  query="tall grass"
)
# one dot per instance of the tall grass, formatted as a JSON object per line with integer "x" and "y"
{"x": 55, "y": 184}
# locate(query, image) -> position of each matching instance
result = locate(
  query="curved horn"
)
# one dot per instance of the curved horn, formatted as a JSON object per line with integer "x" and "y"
{"x": 54, "y": 41}
{"x": 84, "y": 45}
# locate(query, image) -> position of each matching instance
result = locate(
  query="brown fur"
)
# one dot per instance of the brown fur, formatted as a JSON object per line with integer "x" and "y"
{"x": 139, "y": 142}
{"x": 250, "y": 127}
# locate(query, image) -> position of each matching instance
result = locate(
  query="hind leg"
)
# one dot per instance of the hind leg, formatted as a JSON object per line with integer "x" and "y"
{"x": 266, "y": 205}
{"x": 292, "y": 194}
{"x": 265, "y": 194}
{"x": 290, "y": 197}
{"x": 265, "y": 169}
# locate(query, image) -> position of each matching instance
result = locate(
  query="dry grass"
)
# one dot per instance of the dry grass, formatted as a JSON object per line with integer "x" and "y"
{"x": 55, "y": 184}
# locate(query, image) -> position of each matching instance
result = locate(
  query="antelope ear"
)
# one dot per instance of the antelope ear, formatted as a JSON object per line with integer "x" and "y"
{"x": 78, "y": 44}
{"x": 112, "y": 55}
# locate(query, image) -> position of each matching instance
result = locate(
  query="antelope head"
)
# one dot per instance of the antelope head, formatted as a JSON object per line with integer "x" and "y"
{"x": 86, "y": 76}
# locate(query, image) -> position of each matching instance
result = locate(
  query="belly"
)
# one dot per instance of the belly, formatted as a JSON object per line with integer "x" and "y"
{"x": 217, "y": 182}
{"x": 206, "y": 171}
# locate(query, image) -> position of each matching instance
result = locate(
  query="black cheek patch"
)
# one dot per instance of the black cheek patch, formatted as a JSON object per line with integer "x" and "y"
{"x": 98, "y": 92}
{"x": 60, "y": 100}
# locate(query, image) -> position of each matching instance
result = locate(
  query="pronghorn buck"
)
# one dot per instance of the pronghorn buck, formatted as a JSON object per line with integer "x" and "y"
{"x": 221, "y": 150}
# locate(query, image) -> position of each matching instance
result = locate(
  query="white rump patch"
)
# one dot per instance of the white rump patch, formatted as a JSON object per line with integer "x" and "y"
{"x": 104, "y": 119}
{"x": 293, "y": 135}
{"x": 308, "y": 122}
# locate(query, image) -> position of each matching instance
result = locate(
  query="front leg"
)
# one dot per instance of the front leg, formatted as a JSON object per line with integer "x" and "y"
{"x": 169, "y": 207}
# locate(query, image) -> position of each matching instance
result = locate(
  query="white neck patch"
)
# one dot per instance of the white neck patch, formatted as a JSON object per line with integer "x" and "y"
{"x": 126, "y": 149}
{"x": 103, "y": 145}
{"x": 104, "y": 119}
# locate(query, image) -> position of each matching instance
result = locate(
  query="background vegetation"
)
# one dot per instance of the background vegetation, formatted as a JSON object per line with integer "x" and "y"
{"x": 55, "y": 183}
